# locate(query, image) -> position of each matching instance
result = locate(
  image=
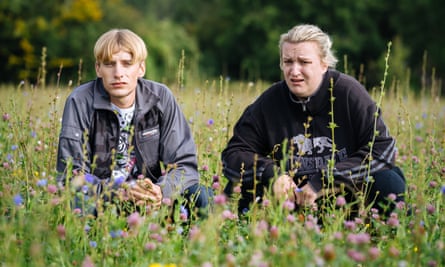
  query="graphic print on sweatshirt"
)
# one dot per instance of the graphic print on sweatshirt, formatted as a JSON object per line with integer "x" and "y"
{"x": 314, "y": 153}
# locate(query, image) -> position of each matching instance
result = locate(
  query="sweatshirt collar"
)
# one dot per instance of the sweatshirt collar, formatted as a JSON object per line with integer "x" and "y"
{"x": 317, "y": 101}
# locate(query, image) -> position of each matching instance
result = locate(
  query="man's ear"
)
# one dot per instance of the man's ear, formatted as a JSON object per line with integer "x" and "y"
{"x": 97, "y": 67}
{"x": 142, "y": 69}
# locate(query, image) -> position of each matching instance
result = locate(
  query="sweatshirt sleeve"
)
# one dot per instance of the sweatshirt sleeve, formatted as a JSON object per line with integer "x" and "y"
{"x": 374, "y": 147}
{"x": 376, "y": 151}
{"x": 245, "y": 156}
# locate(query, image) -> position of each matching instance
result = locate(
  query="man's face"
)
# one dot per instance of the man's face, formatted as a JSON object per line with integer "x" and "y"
{"x": 302, "y": 67}
{"x": 119, "y": 76}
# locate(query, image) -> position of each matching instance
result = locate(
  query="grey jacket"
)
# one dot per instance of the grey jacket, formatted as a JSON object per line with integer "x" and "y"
{"x": 90, "y": 133}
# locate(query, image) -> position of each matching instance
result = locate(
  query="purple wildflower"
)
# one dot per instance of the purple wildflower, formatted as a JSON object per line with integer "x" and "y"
{"x": 274, "y": 232}
{"x": 210, "y": 122}
{"x": 220, "y": 199}
{"x": 167, "y": 201}
{"x": 430, "y": 208}
{"x": 228, "y": 215}
{"x": 183, "y": 213}
{"x": 373, "y": 253}
{"x": 51, "y": 189}
{"x": 205, "y": 168}
{"x": 341, "y": 201}
{"x": 350, "y": 225}
{"x": 42, "y": 182}
{"x": 85, "y": 189}
{"x": 93, "y": 244}
{"x": 261, "y": 228}
{"x": 14, "y": 147}
{"x": 392, "y": 196}
{"x": 289, "y": 205}
{"x": 134, "y": 220}
{"x": 393, "y": 221}
{"x": 237, "y": 189}
{"x": 18, "y": 200}
{"x": 87, "y": 262}
{"x": 150, "y": 246}
{"x": 216, "y": 186}
{"x": 61, "y": 231}
{"x": 359, "y": 238}
{"x": 266, "y": 203}
{"x": 6, "y": 116}
{"x": 356, "y": 255}
{"x": 443, "y": 189}
{"x": 394, "y": 252}
{"x": 115, "y": 234}
{"x": 433, "y": 184}
{"x": 290, "y": 218}
{"x": 119, "y": 181}
{"x": 329, "y": 252}
{"x": 338, "y": 235}
{"x": 89, "y": 178}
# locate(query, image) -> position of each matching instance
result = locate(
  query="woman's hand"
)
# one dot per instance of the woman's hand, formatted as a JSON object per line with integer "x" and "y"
{"x": 284, "y": 187}
{"x": 305, "y": 196}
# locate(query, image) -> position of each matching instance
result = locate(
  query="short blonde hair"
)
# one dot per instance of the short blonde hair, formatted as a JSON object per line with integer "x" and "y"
{"x": 117, "y": 39}
{"x": 307, "y": 32}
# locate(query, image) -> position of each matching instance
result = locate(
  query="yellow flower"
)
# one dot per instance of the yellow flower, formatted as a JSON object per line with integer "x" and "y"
{"x": 161, "y": 265}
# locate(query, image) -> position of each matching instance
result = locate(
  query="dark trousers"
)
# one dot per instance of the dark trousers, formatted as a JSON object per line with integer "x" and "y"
{"x": 385, "y": 182}
{"x": 198, "y": 197}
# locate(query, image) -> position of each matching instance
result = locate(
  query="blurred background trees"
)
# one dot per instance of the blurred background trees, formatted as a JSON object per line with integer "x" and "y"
{"x": 232, "y": 38}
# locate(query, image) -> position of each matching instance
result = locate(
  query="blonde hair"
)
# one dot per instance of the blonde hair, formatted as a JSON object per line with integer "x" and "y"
{"x": 307, "y": 32}
{"x": 117, "y": 39}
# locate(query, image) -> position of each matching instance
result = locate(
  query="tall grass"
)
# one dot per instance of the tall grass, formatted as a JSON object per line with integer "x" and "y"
{"x": 38, "y": 227}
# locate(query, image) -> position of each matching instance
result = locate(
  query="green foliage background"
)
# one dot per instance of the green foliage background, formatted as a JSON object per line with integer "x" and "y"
{"x": 233, "y": 38}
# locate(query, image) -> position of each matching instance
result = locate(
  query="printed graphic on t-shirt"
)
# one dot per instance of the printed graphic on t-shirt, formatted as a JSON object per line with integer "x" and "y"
{"x": 125, "y": 156}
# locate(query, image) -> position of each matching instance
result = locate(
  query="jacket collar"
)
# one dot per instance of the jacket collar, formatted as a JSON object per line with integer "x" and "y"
{"x": 146, "y": 98}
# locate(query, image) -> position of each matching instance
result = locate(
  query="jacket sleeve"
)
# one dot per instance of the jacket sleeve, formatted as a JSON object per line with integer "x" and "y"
{"x": 245, "y": 157}
{"x": 177, "y": 149}
{"x": 72, "y": 150}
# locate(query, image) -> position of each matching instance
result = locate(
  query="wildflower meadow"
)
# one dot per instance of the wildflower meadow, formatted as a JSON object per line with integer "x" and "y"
{"x": 38, "y": 227}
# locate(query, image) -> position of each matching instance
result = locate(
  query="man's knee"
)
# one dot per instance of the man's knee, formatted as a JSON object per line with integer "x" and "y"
{"x": 200, "y": 195}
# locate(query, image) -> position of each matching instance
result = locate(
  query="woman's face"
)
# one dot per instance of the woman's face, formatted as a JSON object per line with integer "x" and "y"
{"x": 302, "y": 67}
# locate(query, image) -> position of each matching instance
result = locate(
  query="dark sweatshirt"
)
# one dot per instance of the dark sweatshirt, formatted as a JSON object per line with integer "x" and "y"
{"x": 271, "y": 133}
